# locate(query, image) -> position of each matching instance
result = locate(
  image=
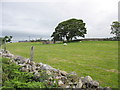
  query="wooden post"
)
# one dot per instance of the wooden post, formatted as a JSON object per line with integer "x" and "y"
{"x": 32, "y": 53}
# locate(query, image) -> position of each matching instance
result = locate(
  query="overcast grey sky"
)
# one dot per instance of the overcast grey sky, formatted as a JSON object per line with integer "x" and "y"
{"x": 38, "y": 18}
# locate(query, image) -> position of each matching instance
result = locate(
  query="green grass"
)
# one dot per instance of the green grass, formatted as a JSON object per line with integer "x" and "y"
{"x": 98, "y": 59}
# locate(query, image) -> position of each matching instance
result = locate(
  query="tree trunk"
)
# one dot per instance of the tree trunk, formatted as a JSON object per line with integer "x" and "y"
{"x": 67, "y": 38}
{"x": 71, "y": 39}
{"x": 54, "y": 41}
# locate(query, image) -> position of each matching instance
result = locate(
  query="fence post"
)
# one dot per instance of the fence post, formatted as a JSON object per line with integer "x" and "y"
{"x": 31, "y": 53}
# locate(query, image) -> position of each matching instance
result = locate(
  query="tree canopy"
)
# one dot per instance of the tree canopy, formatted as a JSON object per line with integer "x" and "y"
{"x": 7, "y": 39}
{"x": 69, "y": 29}
{"x": 115, "y": 27}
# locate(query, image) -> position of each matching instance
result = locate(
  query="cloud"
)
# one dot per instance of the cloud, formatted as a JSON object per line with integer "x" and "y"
{"x": 21, "y": 19}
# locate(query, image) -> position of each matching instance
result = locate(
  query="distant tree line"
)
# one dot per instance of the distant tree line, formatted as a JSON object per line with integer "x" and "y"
{"x": 37, "y": 40}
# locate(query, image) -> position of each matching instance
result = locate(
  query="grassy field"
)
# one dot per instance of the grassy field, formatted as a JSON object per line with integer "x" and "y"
{"x": 98, "y": 59}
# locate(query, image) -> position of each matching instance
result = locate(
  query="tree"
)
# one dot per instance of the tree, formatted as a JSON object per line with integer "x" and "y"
{"x": 115, "y": 27}
{"x": 69, "y": 29}
{"x": 7, "y": 38}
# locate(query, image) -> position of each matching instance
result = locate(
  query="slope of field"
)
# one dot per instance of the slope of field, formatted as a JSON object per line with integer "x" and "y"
{"x": 98, "y": 59}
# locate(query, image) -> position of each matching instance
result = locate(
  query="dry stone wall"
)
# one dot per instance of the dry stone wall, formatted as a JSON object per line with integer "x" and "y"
{"x": 62, "y": 78}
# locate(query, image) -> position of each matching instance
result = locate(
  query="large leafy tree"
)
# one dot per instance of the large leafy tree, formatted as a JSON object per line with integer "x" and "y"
{"x": 115, "y": 27}
{"x": 69, "y": 29}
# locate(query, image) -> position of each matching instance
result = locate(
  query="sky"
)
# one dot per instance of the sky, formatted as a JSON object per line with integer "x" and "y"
{"x": 119, "y": 11}
{"x": 38, "y": 18}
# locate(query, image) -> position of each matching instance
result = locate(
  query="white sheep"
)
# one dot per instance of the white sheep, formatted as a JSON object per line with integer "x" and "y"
{"x": 65, "y": 44}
